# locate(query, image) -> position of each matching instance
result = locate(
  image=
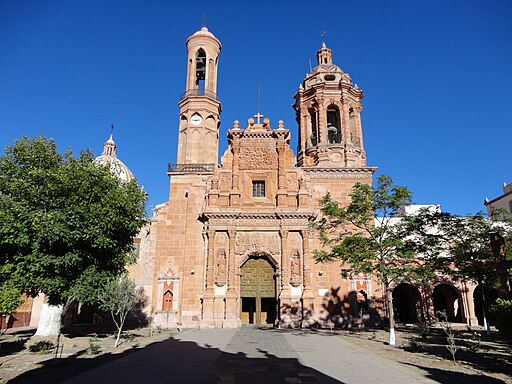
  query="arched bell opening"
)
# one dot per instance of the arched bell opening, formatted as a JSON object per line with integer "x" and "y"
{"x": 333, "y": 125}
{"x": 200, "y": 70}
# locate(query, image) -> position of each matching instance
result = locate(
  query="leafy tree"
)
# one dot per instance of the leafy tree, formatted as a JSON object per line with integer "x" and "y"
{"x": 119, "y": 297}
{"x": 423, "y": 237}
{"x": 468, "y": 244}
{"x": 61, "y": 216}
{"x": 10, "y": 300}
{"x": 352, "y": 236}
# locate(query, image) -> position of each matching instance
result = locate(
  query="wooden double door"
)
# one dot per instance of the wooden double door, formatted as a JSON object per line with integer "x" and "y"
{"x": 258, "y": 292}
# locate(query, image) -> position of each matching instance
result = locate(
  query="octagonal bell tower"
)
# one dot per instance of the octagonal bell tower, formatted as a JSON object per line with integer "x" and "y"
{"x": 328, "y": 107}
{"x": 200, "y": 107}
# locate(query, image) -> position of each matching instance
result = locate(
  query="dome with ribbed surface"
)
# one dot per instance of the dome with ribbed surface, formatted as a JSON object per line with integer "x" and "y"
{"x": 109, "y": 158}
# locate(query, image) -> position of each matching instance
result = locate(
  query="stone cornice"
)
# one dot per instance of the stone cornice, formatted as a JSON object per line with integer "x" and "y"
{"x": 260, "y": 215}
{"x": 339, "y": 173}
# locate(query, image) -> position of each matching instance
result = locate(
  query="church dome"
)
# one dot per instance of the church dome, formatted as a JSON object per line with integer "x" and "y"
{"x": 203, "y": 33}
{"x": 109, "y": 159}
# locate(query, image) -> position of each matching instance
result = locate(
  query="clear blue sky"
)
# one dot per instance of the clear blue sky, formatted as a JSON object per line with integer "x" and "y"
{"x": 437, "y": 79}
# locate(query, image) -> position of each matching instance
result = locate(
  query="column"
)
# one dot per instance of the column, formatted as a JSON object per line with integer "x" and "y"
{"x": 234, "y": 198}
{"x": 208, "y": 306}
{"x": 308, "y": 296}
{"x": 232, "y": 319}
{"x": 281, "y": 178}
{"x": 359, "y": 127}
{"x": 468, "y": 292}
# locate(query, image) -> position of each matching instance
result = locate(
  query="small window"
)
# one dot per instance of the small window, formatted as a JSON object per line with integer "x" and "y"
{"x": 258, "y": 188}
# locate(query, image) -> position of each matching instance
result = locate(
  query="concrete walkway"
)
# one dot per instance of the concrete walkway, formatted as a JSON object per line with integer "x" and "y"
{"x": 251, "y": 355}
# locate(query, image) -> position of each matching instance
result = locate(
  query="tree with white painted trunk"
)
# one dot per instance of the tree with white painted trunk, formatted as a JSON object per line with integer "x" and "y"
{"x": 352, "y": 235}
{"x": 62, "y": 218}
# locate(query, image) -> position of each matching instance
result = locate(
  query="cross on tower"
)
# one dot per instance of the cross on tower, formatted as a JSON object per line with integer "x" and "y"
{"x": 258, "y": 116}
{"x": 205, "y": 19}
{"x": 323, "y": 33}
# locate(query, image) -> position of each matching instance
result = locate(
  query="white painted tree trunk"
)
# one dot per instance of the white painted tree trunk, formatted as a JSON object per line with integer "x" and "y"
{"x": 389, "y": 302}
{"x": 50, "y": 320}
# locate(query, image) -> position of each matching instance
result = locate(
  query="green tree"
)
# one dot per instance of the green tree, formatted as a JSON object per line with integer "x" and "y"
{"x": 61, "y": 217}
{"x": 10, "y": 300}
{"x": 352, "y": 236}
{"x": 468, "y": 244}
{"x": 119, "y": 297}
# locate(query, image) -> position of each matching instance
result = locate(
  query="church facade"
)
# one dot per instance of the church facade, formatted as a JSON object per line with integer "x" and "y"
{"x": 233, "y": 244}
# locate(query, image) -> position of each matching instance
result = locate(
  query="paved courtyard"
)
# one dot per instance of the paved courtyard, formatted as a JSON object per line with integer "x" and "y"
{"x": 251, "y": 355}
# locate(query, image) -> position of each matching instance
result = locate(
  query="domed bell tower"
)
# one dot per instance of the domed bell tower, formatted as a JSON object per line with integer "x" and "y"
{"x": 328, "y": 108}
{"x": 200, "y": 107}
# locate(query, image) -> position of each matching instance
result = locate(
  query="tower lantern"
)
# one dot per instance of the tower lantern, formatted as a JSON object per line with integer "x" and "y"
{"x": 200, "y": 107}
{"x": 328, "y": 109}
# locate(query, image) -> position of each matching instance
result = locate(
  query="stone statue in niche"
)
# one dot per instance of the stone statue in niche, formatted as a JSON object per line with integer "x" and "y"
{"x": 302, "y": 183}
{"x": 295, "y": 268}
{"x": 220, "y": 275}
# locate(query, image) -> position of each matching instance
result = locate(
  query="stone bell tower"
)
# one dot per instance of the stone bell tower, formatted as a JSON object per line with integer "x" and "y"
{"x": 328, "y": 108}
{"x": 200, "y": 108}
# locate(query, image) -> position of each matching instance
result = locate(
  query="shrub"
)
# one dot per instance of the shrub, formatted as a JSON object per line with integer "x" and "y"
{"x": 415, "y": 345}
{"x": 474, "y": 344}
{"x": 94, "y": 349}
{"x": 502, "y": 309}
{"x": 43, "y": 347}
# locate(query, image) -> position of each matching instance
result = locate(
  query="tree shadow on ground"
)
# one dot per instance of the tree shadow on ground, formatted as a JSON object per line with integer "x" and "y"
{"x": 302, "y": 331}
{"x": 176, "y": 361}
{"x": 493, "y": 354}
{"x": 447, "y": 377}
{"x": 14, "y": 341}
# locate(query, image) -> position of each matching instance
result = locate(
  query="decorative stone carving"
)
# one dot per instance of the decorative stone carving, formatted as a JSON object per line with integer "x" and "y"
{"x": 294, "y": 240}
{"x": 221, "y": 239}
{"x": 291, "y": 181}
{"x": 220, "y": 273}
{"x": 249, "y": 242}
{"x": 169, "y": 273}
{"x": 258, "y": 158}
{"x": 224, "y": 181}
{"x": 354, "y": 173}
{"x": 295, "y": 279}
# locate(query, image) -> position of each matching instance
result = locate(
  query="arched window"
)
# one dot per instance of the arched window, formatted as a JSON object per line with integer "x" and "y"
{"x": 167, "y": 302}
{"x": 333, "y": 125}
{"x": 314, "y": 127}
{"x": 353, "y": 126}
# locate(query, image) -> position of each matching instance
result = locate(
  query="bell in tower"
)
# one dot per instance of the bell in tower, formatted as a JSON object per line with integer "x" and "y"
{"x": 200, "y": 107}
{"x": 328, "y": 108}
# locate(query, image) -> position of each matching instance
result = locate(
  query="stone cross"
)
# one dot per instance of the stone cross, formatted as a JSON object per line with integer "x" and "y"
{"x": 258, "y": 116}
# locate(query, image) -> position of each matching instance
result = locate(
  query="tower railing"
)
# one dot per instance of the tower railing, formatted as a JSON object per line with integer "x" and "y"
{"x": 200, "y": 92}
{"x": 190, "y": 168}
